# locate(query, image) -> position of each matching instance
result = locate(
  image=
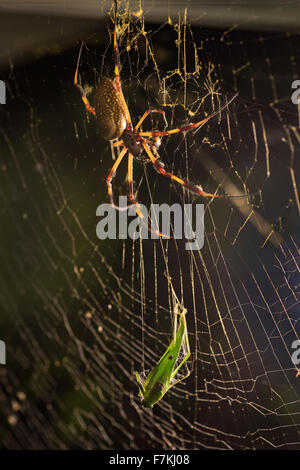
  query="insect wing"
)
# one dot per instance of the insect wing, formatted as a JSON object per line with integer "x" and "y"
{"x": 157, "y": 382}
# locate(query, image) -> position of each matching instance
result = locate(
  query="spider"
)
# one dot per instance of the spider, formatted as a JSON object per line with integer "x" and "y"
{"x": 114, "y": 123}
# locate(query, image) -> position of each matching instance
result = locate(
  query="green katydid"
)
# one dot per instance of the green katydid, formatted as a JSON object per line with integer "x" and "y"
{"x": 162, "y": 376}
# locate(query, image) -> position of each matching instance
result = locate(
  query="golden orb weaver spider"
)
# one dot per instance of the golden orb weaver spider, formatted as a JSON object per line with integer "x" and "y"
{"x": 114, "y": 123}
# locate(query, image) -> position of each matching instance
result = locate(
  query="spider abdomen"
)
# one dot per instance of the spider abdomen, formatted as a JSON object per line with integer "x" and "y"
{"x": 109, "y": 110}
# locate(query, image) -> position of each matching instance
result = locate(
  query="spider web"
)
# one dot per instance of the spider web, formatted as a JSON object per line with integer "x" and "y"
{"x": 80, "y": 315}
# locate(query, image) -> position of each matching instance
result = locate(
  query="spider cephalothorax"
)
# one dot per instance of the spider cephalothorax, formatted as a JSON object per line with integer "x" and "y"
{"x": 132, "y": 143}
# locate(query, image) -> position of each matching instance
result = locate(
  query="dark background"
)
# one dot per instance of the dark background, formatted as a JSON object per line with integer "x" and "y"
{"x": 79, "y": 316}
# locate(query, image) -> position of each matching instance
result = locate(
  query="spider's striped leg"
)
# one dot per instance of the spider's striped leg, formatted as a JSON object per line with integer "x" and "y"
{"x": 109, "y": 179}
{"x": 117, "y": 71}
{"x": 160, "y": 168}
{"x": 189, "y": 126}
{"x": 145, "y": 222}
{"x": 118, "y": 143}
{"x": 116, "y": 51}
{"x": 146, "y": 113}
{"x": 130, "y": 184}
{"x": 89, "y": 108}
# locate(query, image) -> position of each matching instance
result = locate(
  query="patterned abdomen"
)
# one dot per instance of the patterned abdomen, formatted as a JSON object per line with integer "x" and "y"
{"x": 109, "y": 109}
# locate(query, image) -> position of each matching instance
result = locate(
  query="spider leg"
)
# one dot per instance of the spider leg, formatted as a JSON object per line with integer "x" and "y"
{"x": 146, "y": 113}
{"x": 117, "y": 71}
{"x": 136, "y": 203}
{"x": 116, "y": 51}
{"x": 89, "y": 108}
{"x": 109, "y": 179}
{"x": 118, "y": 143}
{"x": 160, "y": 168}
{"x": 189, "y": 126}
{"x": 130, "y": 184}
